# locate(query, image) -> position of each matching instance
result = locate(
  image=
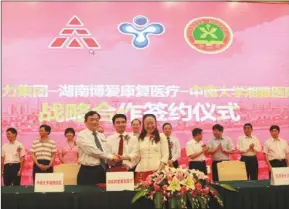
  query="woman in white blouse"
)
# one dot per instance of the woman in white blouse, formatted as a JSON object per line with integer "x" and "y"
{"x": 152, "y": 149}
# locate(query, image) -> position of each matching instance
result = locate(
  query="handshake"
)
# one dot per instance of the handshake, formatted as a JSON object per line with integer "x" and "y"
{"x": 115, "y": 159}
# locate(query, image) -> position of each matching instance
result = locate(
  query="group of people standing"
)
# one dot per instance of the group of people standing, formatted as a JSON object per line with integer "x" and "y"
{"x": 220, "y": 148}
{"x": 144, "y": 151}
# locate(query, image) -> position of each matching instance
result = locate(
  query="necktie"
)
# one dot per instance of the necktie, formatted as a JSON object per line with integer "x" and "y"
{"x": 97, "y": 143}
{"x": 170, "y": 149}
{"x": 120, "y": 147}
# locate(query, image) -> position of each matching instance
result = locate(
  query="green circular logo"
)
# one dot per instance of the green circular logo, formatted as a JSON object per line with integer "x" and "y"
{"x": 208, "y": 35}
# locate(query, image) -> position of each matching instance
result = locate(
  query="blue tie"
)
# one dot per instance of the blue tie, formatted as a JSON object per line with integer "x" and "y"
{"x": 97, "y": 143}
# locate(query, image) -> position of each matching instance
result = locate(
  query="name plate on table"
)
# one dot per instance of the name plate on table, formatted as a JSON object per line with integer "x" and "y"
{"x": 49, "y": 182}
{"x": 280, "y": 176}
{"x": 119, "y": 181}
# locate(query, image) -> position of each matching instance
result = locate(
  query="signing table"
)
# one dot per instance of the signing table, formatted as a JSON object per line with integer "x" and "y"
{"x": 250, "y": 195}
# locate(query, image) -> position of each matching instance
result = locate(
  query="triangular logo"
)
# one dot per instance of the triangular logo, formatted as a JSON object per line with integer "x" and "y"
{"x": 74, "y": 44}
{"x": 74, "y": 36}
{"x": 75, "y": 21}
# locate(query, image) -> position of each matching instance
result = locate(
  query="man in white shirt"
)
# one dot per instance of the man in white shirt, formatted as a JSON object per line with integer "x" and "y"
{"x": 136, "y": 127}
{"x": 276, "y": 150}
{"x": 92, "y": 153}
{"x": 173, "y": 144}
{"x": 196, "y": 151}
{"x": 13, "y": 154}
{"x": 121, "y": 144}
{"x": 249, "y": 146}
{"x": 220, "y": 147}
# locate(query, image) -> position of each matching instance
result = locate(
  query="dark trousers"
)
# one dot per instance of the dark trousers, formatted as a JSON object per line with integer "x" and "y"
{"x": 198, "y": 165}
{"x": 251, "y": 164}
{"x": 277, "y": 164}
{"x": 38, "y": 170}
{"x": 10, "y": 174}
{"x": 215, "y": 174}
{"x": 90, "y": 175}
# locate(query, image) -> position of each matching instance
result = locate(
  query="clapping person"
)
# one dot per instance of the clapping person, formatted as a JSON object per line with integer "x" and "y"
{"x": 196, "y": 151}
{"x": 220, "y": 147}
{"x": 248, "y": 146}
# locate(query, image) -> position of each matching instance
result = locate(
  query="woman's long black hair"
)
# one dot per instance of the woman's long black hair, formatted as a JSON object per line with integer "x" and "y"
{"x": 143, "y": 132}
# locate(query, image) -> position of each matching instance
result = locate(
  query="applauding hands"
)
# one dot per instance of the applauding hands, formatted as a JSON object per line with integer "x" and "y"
{"x": 220, "y": 147}
{"x": 205, "y": 148}
{"x": 252, "y": 146}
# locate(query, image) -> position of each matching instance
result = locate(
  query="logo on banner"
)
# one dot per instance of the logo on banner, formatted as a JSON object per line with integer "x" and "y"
{"x": 208, "y": 35}
{"x": 75, "y": 36}
{"x": 141, "y": 29}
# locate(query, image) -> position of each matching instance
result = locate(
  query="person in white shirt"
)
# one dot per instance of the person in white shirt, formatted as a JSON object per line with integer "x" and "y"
{"x": 122, "y": 144}
{"x": 13, "y": 154}
{"x": 276, "y": 150}
{"x": 152, "y": 149}
{"x": 136, "y": 127}
{"x": 249, "y": 146}
{"x": 173, "y": 145}
{"x": 92, "y": 153}
{"x": 220, "y": 147}
{"x": 196, "y": 151}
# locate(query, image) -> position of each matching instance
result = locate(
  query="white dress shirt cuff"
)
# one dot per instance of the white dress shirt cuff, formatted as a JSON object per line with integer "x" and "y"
{"x": 125, "y": 156}
{"x": 109, "y": 156}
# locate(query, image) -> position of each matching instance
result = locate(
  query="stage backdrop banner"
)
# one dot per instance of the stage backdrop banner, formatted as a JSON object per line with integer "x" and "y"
{"x": 192, "y": 64}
